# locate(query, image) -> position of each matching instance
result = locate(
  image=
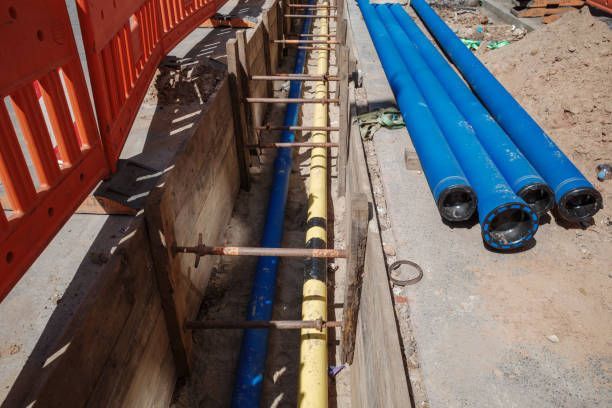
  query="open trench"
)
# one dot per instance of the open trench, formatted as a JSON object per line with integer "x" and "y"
{"x": 216, "y": 352}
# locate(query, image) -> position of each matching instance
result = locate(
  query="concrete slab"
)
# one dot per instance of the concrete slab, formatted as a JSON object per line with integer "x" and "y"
{"x": 487, "y": 324}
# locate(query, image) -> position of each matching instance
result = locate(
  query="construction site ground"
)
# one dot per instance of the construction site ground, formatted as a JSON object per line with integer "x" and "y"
{"x": 486, "y": 329}
{"x": 481, "y": 329}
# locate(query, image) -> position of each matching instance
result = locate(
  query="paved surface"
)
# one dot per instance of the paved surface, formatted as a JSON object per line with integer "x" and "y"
{"x": 482, "y": 320}
{"x": 42, "y": 304}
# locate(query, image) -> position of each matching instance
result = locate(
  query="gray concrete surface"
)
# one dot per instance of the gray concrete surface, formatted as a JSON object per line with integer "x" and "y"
{"x": 44, "y": 302}
{"x": 483, "y": 320}
{"x": 501, "y": 10}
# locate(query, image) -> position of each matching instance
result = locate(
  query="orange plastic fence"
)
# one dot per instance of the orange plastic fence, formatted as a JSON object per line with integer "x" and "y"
{"x": 124, "y": 43}
{"x": 50, "y": 151}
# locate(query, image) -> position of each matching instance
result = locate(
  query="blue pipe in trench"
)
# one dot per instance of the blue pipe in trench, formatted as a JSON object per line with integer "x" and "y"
{"x": 577, "y": 200}
{"x": 452, "y": 192}
{"x": 516, "y": 169}
{"x": 253, "y": 351}
{"x": 506, "y": 220}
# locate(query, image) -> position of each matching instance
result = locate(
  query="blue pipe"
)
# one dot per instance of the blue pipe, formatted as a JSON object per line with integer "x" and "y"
{"x": 516, "y": 169}
{"x": 576, "y": 198}
{"x": 452, "y": 192}
{"x": 253, "y": 351}
{"x": 506, "y": 220}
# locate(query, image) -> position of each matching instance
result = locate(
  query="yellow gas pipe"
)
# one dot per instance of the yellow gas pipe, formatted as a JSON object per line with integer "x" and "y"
{"x": 313, "y": 343}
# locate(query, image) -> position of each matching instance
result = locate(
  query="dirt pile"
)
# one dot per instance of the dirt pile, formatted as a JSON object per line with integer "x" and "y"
{"x": 470, "y": 23}
{"x": 561, "y": 75}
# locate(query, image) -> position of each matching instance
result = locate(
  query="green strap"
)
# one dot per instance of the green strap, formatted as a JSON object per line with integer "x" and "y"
{"x": 370, "y": 122}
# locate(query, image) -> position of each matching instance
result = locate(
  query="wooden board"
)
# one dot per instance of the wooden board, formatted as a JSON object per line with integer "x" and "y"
{"x": 378, "y": 378}
{"x": 549, "y": 3}
{"x": 539, "y": 12}
{"x": 96, "y": 359}
{"x": 197, "y": 197}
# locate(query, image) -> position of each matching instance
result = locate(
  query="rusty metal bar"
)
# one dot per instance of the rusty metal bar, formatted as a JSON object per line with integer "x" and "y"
{"x": 286, "y": 77}
{"x": 306, "y": 128}
{"x": 307, "y": 16}
{"x": 261, "y": 324}
{"x": 203, "y": 250}
{"x": 293, "y": 100}
{"x": 276, "y": 145}
{"x": 316, "y": 48}
{"x": 314, "y": 35}
{"x": 297, "y": 42}
{"x": 309, "y": 6}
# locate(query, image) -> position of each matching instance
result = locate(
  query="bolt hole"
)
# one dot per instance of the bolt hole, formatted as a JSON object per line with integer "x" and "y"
{"x": 9, "y": 257}
{"x": 40, "y": 35}
{"x": 81, "y": 177}
{"x": 50, "y": 211}
{"x": 102, "y": 14}
{"x": 13, "y": 13}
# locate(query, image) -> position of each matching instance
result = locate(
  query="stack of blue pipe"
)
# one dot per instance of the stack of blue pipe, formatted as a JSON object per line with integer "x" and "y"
{"x": 480, "y": 141}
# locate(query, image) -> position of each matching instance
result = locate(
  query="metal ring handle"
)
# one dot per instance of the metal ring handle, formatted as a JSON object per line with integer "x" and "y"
{"x": 395, "y": 265}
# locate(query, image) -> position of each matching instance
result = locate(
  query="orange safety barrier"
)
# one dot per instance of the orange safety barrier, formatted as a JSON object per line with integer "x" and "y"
{"x": 124, "y": 43}
{"x": 50, "y": 151}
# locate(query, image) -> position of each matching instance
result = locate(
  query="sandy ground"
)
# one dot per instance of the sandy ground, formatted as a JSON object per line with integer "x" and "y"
{"x": 526, "y": 329}
{"x": 216, "y": 352}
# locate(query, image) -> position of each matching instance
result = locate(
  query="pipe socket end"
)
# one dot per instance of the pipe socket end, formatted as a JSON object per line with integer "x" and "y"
{"x": 457, "y": 203}
{"x": 580, "y": 204}
{"x": 539, "y": 197}
{"x": 509, "y": 226}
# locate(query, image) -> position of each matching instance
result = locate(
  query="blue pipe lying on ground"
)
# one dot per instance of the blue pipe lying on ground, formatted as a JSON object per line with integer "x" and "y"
{"x": 576, "y": 198}
{"x": 506, "y": 220}
{"x": 454, "y": 196}
{"x": 253, "y": 351}
{"x": 516, "y": 169}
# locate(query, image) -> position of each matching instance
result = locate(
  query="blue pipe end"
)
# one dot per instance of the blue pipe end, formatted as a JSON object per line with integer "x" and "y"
{"x": 539, "y": 196}
{"x": 580, "y": 204}
{"x": 509, "y": 226}
{"x": 457, "y": 203}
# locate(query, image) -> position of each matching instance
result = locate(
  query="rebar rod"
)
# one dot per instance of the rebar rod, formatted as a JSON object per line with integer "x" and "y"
{"x": 277, "y": 145}
{"x": 293, "y": 100}
{"x": 261, "y": 324}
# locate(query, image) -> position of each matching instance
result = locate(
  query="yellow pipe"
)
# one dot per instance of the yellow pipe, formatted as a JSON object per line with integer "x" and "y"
{"x": 313, "y": 343}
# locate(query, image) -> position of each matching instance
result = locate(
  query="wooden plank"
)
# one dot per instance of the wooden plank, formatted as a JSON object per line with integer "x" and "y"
{"x": 358, "y": 233}
{"x": 267, "y": 52}
{"x": 93, "y": 204}
{"x": 235, "y": 77}
{"x": 243, "y": 58}
{"x": 105, "y": 334}
{"x": 546, "y": 3}
{"x": 160, "y": 240}
{"x": 194, "y": 199}
{"x": 280, "y": 30}
{"x": 551, "y": 19}
{"x": 376, "y": 325}
{"x": 344, "y": 118}
{"x": 539, "y": 12}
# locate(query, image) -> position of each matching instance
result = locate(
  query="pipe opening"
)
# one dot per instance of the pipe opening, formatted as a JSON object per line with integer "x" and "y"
{"x": 580, "y": 204}
{"x": 539, "y": 197}
{"x": 510, "y": 226}
{"x": 457, "y": 203}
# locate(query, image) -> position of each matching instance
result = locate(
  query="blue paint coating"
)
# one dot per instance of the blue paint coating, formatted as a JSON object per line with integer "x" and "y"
{"x": 516, "y": 169}
{"x": 576, "y": 198}
{"x": 439, "y": 164}
{"x": 494, "y": 194}
{"x": 253, "y": 351}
